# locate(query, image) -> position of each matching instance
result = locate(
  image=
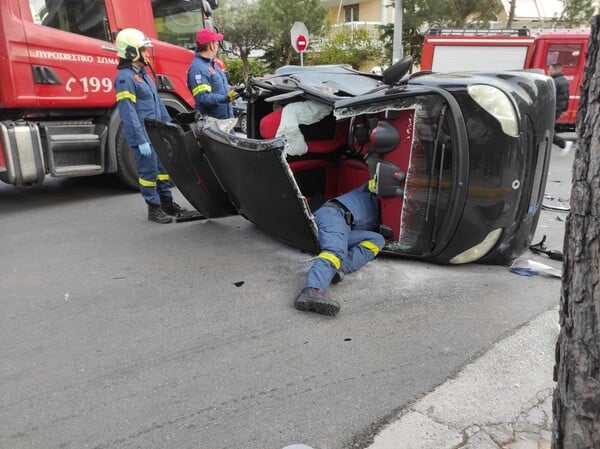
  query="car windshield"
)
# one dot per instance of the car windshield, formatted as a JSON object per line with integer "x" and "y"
{"x": 429, "y": 182}
{"x": 178, "y": 21}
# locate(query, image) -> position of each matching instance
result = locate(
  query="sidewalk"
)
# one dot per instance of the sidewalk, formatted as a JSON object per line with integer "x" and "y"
{"x": 501, "y": 400}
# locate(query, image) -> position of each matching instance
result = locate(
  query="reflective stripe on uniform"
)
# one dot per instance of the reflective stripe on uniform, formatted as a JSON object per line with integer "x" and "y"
{"x": 146, "y": 183}
{"x": 331, "y": 258}
{"x": 200, "y": 88}
{"x": 370, "y": 246}
{"x": 372, "y": 185}
{"x": 126, "y": 95}
{"x": 162, "y": 177}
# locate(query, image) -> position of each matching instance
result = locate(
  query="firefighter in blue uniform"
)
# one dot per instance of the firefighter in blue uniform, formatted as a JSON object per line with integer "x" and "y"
{"x": 205, "y": 79}
{"x": 138, "y": 98}
{"x": 346, "y": 227}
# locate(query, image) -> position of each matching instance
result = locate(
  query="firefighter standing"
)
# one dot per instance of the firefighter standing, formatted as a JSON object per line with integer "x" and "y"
{"x": 346, "y": 227}
{"x": 207, "y": 82}
{"x": 138, "y": 98}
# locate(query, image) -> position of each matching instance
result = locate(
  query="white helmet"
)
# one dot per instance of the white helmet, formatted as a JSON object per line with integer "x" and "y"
{"x": 129, "y": 43}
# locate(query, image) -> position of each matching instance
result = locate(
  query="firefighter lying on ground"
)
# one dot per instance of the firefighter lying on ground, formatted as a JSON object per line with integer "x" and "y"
{"x": 346, "y": 227}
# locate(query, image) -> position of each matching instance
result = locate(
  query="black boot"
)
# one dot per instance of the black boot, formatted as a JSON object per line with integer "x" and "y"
{"x": 313, "y": 300}
{"x": 157, "y": 215}
{"x": 170, "y": 207}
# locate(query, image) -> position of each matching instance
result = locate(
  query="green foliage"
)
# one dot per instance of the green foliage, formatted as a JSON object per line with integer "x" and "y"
{"x": 278, "y": 16}
{"x": 456, "y": 13}
{"x": 576, "y": 13}
{"x": 235, "y": 70}
{"x": 243, "y": 27}
{"x": 412, "y": 42}
{"x": 240, "y": 24}
{"x": 355, "y": 47}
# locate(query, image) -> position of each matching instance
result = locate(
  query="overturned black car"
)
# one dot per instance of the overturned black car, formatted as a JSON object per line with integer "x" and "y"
{"x": 459, "y": 160}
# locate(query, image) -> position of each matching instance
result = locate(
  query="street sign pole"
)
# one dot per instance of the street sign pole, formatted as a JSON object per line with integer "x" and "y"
{"x": 397, "y": 52}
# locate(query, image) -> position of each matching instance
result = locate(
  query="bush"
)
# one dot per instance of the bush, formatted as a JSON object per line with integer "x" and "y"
{"x": 355, "y": 47}
{"x": 235, "y": 69}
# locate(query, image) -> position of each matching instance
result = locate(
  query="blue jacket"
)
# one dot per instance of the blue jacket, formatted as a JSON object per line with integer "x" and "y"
{"x": 209, "y": 86}
{"x": 137, "y": 98}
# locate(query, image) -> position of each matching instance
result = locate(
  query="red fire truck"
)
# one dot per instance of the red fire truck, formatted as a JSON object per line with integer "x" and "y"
{"x": 465, "y": 50}
{"x": 57, "y": 102}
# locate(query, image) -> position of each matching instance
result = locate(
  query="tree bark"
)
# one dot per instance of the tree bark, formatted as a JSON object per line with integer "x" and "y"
{"x": 511, "y": 14}
{"x": 576, "y": 402}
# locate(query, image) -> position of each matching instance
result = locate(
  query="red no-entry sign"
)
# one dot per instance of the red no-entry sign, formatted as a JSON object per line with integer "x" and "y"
{"x": 301, "y": 43}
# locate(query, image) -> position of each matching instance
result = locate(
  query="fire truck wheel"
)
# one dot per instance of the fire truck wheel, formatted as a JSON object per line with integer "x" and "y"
{"x": 126, "y": 167}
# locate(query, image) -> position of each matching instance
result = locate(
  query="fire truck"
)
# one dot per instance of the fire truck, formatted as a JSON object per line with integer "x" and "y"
{"x": 57, "y": 102}
{"x": 466, "y": 50}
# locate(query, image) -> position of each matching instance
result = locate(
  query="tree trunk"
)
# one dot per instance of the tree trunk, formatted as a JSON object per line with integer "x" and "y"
{"x": 245, "y": 57}
{"x": 511, "y": 13}
{"x": 576, "y": 404}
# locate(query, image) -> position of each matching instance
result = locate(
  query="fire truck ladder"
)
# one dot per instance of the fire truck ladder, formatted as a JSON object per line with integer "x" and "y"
{"x": 477, "y": 32}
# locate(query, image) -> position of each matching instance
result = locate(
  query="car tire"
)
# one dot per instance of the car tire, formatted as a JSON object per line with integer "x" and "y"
{"x": 243, "y": 123}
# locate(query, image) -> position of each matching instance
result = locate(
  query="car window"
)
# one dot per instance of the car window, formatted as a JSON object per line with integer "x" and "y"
{"x": 565, "y": 54}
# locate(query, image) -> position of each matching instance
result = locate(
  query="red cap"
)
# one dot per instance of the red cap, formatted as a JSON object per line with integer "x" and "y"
{"x": 205, "y": 36}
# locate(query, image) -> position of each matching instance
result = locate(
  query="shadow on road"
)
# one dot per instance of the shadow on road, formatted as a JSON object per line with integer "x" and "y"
{"x": 59, "y": 191}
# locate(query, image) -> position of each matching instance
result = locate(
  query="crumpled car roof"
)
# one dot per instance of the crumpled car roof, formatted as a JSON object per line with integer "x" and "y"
{"x": 335, "y": 80}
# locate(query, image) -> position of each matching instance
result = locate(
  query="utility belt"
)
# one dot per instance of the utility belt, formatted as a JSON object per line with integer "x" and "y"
{"x": 337, "y": 205}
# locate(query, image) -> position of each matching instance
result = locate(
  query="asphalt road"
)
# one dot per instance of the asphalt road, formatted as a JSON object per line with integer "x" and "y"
{"x": 120, "y": 333}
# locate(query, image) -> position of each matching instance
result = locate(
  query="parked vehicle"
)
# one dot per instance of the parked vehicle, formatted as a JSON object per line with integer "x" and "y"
{"x": 240, "y": 108}
{"x": 57, "y": 101}
{"x": 460, "y": 50}
{"x": 459, "y": 160}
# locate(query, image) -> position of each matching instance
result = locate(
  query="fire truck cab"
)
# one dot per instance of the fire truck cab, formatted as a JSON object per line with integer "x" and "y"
{"x": 57, "y": 101}
{"x": 493, "y": 50}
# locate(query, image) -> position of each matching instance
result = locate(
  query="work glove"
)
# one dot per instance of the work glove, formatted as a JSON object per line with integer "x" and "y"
{"x": 145, "y": 149}
{"x": 232, "y": 95}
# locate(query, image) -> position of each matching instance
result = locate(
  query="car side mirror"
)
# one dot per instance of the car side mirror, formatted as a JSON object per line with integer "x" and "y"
{"x": 396, "y": 72}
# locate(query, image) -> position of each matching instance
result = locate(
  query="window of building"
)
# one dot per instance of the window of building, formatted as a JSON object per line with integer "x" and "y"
{"x": 351, "y": 13}
{"x": 85, "y": 17}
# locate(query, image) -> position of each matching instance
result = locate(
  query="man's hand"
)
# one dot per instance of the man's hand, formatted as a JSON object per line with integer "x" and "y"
{"x": 232, "y": 95}
{"x": 145, "y": 149}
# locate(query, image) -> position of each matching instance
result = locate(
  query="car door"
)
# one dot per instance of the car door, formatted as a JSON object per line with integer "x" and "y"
{"x": 261, "y": 186}
{"x": 221, "y": 174}
{"x": 178, "y": 150}
{"x": 73, "y": 59}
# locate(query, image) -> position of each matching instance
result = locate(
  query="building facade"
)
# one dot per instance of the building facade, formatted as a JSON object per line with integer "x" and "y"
{"x": 369, "y": 12}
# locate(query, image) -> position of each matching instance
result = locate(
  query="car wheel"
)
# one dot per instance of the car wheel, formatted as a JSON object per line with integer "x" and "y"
{"x": 243, "y": 123}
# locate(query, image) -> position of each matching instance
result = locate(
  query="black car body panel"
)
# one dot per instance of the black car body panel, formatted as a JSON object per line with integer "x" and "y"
{"x": 507, "y": 174}
{"x": 457, "y": 180}
{"x": 261, "y": 186}
{"x": 178, "y": 150}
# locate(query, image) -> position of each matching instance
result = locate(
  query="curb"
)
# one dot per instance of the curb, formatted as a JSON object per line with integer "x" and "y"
{"x": 502, "y": 398}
